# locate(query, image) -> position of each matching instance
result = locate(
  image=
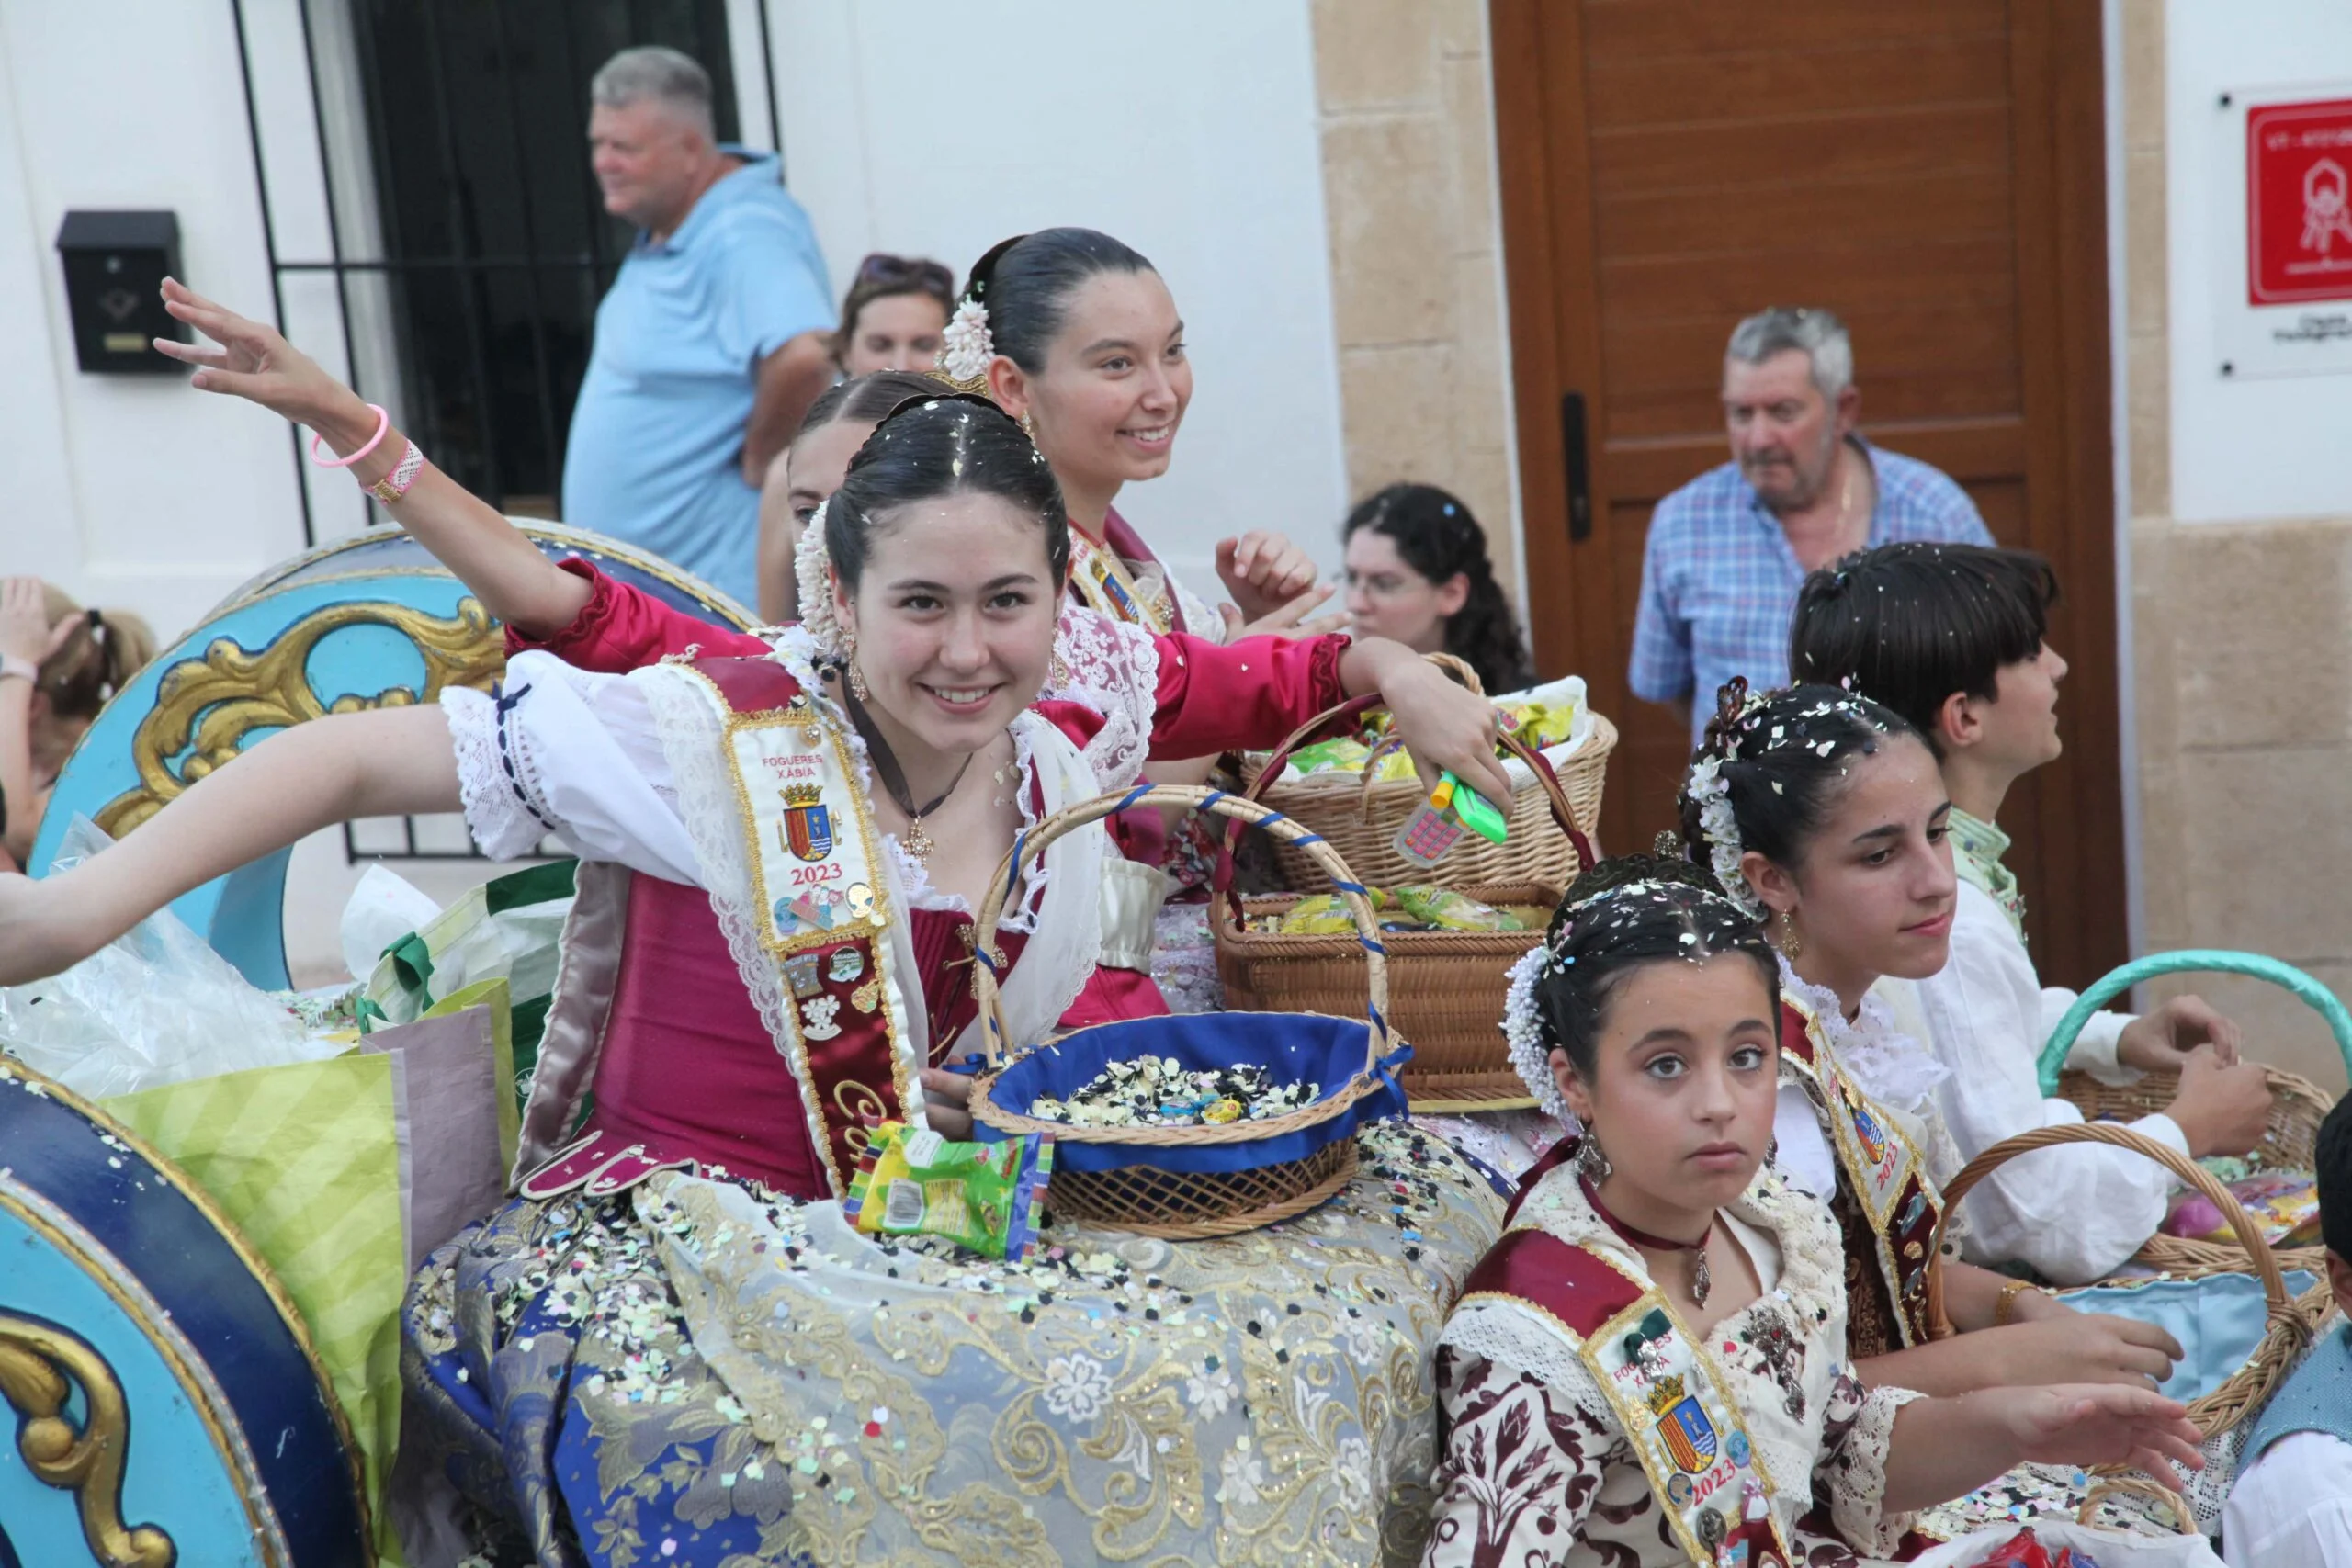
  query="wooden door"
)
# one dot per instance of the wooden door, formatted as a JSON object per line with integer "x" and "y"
{"x": 1932, "y": 170}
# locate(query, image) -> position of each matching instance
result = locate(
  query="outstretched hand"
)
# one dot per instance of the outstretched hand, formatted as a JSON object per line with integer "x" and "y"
{"x": 1290, "y": 621}
{"x": 2088, "y": 1424}
{"x": 252, "y": 361}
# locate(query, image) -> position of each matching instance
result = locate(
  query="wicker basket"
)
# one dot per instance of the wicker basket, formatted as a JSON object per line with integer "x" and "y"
{"x": 1362, "y": 819}
{"x": 1187, "y": 1182}
{"x": 2291, "y": 1321}
{"x": 1450, "y": 988}
{"x": 2296, "y": 1105}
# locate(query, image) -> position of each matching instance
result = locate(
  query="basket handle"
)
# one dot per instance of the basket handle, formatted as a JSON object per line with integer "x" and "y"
{"x": 2202, "y": 960}
{"x": 2266, "y": 1262}
{"x": 1554, "y": 794}
{"x": 1032, "y": 844}
{"x": 2136, "y": 1486}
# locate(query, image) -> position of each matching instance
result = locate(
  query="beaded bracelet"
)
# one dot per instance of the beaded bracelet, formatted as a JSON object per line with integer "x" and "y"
{"x": 394, "y": 485}
{"x": 383, "y": 423}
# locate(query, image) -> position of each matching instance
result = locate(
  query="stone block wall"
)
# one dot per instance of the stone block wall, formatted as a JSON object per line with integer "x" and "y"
{"x": 2242, "y": 633}
{"x": 1408, "y": 128}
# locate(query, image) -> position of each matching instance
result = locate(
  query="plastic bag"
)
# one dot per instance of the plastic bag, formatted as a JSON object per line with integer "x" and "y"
{"x": 154, "y": 1007}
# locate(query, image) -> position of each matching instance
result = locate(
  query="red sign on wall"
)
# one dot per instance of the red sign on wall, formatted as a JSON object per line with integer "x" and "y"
{"x": 2299, "y": 202}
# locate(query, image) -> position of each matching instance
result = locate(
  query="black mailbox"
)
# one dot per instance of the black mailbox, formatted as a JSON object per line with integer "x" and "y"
{"x": 115, "y": 267}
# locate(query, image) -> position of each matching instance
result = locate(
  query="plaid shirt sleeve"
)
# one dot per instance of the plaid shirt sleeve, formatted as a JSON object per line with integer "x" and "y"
{"x": 1660, "y": 670}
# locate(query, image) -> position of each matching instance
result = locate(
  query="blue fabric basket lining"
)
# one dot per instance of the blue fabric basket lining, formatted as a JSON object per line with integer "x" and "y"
{"x": 2219, "y": 1320}
{"x": 1296, "y": 1047}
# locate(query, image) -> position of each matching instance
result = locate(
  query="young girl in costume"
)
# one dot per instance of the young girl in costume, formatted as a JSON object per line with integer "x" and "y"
{"x": 1953, "y": 637}
{"x": 593, "y": 623}
{"x": 834, "y": 985}
{"x": 1651, "y": 1367}
{"x": 1076, "y": 335}
{"x": 59, "y": 663}
{"x": 1824, "y": 814}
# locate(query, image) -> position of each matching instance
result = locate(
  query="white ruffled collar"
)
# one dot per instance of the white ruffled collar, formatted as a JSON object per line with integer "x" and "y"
{"x": 1884, "y": 1063}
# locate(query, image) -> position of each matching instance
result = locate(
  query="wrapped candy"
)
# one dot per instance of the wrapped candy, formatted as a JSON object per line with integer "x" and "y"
{"x": 1411, "y": 907}
{"x": 2025, "y": 1550}
{"x": 983, "y": 1197}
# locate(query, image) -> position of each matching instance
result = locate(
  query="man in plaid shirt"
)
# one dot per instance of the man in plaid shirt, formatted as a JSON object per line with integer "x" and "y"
{"x": 1728, "y": 551}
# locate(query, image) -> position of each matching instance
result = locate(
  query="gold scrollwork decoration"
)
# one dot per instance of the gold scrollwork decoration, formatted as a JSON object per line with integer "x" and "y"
{"x": 38, "y": 1367}
{"x": 207, "y": 705}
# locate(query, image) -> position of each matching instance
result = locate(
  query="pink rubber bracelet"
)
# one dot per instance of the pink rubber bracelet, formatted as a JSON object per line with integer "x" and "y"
{"x": 383, "y": 423}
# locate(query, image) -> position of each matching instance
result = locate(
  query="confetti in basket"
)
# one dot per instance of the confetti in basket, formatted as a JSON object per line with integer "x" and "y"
{"x": 1213, "y": 1178}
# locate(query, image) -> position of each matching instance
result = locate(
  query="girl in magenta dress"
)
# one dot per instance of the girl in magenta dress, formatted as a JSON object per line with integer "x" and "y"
{"x": 835, "y": 803}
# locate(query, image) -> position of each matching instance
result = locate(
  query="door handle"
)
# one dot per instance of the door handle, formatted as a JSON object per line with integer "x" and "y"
{"x": 1578, "y": 464}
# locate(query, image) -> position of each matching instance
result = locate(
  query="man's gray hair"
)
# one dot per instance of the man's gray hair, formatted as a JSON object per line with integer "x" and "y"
{"x": 662, "y": 74}
{"x": 1816, "y": 334}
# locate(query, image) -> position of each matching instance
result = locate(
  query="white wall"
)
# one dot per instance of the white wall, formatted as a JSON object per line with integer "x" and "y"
{"x": 938, "y": 128}
{"x": 2242, "y": 449}
{"x": 128, "y": 490}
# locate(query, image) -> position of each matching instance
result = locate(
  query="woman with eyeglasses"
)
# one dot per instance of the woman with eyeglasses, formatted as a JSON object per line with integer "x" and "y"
{"x": 895, "y": 315}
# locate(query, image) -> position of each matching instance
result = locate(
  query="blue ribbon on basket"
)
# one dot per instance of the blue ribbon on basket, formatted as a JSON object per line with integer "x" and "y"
{"x": 1386, "y": 1067}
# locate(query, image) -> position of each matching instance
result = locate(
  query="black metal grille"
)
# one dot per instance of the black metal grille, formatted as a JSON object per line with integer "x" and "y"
{"x": 492, "y": 247}
{"x": 492, "y": 243}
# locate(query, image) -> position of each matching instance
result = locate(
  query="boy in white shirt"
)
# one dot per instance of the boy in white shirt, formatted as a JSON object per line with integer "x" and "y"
{"x": 2291, "y": 1507}
{"x": 1952, "y": 637}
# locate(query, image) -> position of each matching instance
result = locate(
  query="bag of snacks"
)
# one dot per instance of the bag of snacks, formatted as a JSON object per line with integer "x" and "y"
{"x": 2285, "y": 1204}
{"x": 1401, "y": 909}
{"x": 983, "y": 1197}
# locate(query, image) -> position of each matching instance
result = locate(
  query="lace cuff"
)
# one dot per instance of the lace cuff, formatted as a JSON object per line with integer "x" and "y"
{"x": 504, "y": 810}
{"x": 1853, "y": 1472}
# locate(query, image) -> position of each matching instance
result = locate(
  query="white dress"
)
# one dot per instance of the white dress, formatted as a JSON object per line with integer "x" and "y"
{"x": 2076, "y": 1213}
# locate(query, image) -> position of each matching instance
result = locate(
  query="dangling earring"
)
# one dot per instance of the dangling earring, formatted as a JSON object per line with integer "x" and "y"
{"x": 1029, "y": 426}
{"x": 1060, "y": 673}
{"x": 1792, "y": 944}
{"x": 1592, "y": 1161}
{"x": 856, "y": 676}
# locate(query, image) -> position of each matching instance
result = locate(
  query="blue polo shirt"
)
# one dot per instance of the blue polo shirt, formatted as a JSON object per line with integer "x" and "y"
{"x": 656, "y": 451}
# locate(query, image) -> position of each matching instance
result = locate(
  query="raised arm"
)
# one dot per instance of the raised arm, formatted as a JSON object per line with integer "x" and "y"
{"x": 488, "y": 554}
{"x": 389, "y": 762}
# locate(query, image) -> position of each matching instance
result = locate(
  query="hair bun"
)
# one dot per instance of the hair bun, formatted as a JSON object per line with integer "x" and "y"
{"x": 983, "y": 273}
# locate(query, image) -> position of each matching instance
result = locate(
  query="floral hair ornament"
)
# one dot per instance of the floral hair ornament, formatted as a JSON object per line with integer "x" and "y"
{"x": 968, "y": 347}
{"x": 1707, "y": 787}
{"x": 812, "y": 570}
{"x": 1522, "y": 1025}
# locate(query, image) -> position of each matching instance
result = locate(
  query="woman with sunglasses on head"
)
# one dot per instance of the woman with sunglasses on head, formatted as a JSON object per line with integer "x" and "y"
{"x": 894, "y": 315}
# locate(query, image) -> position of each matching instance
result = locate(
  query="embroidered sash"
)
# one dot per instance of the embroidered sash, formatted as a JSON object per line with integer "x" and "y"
{"x": 1885, "y": 1173}
{"x": 1104, "y": 582}
{"x": 824, "y": 904}
{"x": 1669, "y": 1396}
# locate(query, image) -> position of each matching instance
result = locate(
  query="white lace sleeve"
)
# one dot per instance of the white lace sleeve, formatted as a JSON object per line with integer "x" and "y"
{"x": 556, "y": 750}
{"x": 1851, "y": 1477}
{"x": 1114, "y": 669}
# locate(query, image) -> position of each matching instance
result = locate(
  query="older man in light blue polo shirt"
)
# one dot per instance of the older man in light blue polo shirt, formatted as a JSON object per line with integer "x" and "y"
{"x": 714, "y": 339}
